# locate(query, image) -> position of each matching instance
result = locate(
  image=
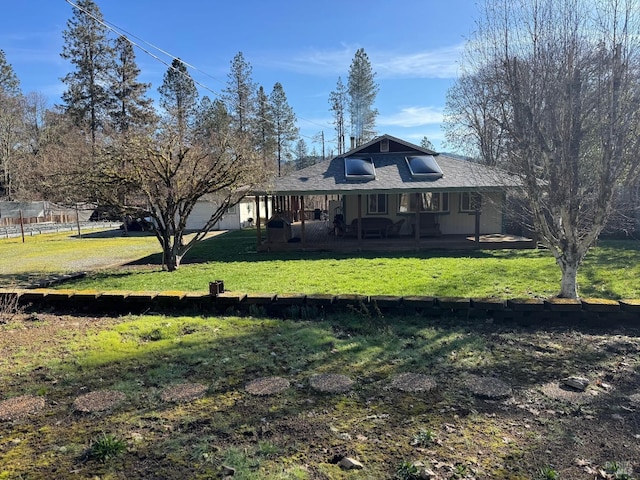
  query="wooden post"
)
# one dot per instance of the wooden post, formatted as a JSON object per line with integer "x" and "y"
{"x": 78, "y": 221}
{"x": 258, "y": 226}
{"x": 477, "y": 225}
{"x": 266, "y": 208}
{"x": 302, "y": 229}
{"x": 22, "y": 225}
{"x": 417, "y": 219}
{"x": 359, "y": 218}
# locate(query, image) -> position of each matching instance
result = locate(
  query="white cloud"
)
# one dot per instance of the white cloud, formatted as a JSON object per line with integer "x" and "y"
{"x": 411, "y": 117}
{"x": 436, "y": 63}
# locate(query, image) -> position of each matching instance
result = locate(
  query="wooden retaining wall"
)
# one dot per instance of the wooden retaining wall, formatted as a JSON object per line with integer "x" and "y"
{"x": 598, "y": 312}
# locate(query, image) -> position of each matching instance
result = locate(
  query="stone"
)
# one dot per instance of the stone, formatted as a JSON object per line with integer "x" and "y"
{"x": 578, "y": 383}
{"x": 228, "y": 471}
{"x": 348, "y": 463}
{"x": 635, "y": 399}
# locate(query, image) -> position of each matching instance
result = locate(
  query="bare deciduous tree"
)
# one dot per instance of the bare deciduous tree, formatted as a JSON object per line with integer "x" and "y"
{"x": 561, "y": 81}
{"x": 170, "y": 178}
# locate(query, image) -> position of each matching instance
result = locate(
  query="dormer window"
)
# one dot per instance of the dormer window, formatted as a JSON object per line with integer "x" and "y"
{"x": 424, "y": 167}
{"x": 359, "y": 168}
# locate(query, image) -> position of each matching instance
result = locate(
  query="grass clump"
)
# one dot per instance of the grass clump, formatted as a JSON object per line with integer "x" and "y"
{"x": 407, "y": 471}
{"x": 548, "y": 473}
{"x": 106, "y": 447}
{"x": 424, "y": 438}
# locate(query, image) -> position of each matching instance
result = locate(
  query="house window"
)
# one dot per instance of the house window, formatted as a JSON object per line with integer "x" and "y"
{"x": 428, "y": 202}
{"x": 377, "y": 204}
{"x": 469, "y": 201}
{"x": 359, "y": 168}
{"x": 232, "y": 210}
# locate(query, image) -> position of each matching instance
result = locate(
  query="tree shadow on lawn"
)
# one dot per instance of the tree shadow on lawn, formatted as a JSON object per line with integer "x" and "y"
{"x": 142, "y": 355}
{"x": 238, "y": 246}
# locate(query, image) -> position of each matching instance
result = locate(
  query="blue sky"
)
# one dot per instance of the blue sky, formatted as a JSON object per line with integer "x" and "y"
{"x": 414, "y": 47}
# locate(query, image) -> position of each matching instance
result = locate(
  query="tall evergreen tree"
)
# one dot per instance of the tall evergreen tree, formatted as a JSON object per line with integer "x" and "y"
{"x": 239, "y": 94}
{"x": 10, "y": 124}
{"x": 363, "y": 90}
{"x": 263, "y": 127}
{"x": 130, "y": 108}
{"x": 178, "y": 97}
{"x": 87, "y": 47}
{"x": 284, "y": 123}
{"x": 211, "y": 119}
{"x": 9, "y": 83}
{"x": 338, "y": 105}
{"x": 301, "y": 154}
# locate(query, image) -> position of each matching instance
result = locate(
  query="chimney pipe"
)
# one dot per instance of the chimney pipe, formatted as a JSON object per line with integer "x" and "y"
{"x": 353, "y": 142}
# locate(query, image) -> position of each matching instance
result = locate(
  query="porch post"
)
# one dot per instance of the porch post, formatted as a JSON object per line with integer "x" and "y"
{"x": 417, "y": 219}
{"x": 302, "y": 229}
{"x": 477, "y": 226}
{"x": 258, "y": 229}
{"x": 266, "y": 208}
{"x": 359, "y": 218}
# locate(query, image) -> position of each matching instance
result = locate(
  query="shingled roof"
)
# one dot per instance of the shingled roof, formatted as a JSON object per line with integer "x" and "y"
{"x": 392, "y": 174}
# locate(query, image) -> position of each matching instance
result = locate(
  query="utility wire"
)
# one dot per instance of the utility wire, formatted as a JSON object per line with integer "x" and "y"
{"x": 127, "y": 36}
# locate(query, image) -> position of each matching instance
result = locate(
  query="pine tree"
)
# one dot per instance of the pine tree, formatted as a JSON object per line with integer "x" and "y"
{"x": 211, "y": 119}
{"x": 178, "y": 97}
{"x": 284, "y": 123}
{"x": 426, "y": 143}
{"x": 362, "y": 92}
{"x": 87, "y": 47}
{"x": 10, "y": 124}
{"x": 9, "y": 83}
{"x": 301, "y": 154}
{"x": 130, "y": 108}
{"x": 338, "y": 105}
{"x": 263, "y": 127}
{"x": 239, "y": 94}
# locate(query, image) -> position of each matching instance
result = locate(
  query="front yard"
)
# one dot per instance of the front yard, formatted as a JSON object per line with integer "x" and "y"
{"x": 527, "y": 425}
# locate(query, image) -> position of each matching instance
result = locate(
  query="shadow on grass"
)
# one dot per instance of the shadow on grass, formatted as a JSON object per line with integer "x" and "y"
{"x": 240, "y": 246}
{"x": 142, "y": 355}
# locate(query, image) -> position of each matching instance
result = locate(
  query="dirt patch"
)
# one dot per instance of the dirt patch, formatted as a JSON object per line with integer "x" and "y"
{"x": 18, "y": 407}
{"x": 267, "y": 386}
{"x": 98, "y": 401}
{"x": 330, "y": 383}
{"x": 183, "y": 392}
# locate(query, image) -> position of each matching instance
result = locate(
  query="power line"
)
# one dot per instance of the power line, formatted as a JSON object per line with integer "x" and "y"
{"x": 127, "y": 36}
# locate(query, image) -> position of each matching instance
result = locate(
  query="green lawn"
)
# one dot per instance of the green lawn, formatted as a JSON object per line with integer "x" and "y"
{"x": 611, "y": 271}
{"x": 47, "y": 254}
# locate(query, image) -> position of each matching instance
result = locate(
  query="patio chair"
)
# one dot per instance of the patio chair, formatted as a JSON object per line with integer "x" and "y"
{"x": 394, "y": 230}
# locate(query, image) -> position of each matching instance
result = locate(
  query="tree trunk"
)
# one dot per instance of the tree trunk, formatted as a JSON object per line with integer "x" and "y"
{"x": 569, "y": 282}
{"x": 172, "y": 257}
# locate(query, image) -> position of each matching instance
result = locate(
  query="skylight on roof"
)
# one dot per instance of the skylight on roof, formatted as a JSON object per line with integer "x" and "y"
{"x": 359, "y": 168}
{"x": 424, "y": 166}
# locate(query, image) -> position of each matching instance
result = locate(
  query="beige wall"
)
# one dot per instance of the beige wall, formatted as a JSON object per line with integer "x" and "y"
{"x": 452, "y": 223}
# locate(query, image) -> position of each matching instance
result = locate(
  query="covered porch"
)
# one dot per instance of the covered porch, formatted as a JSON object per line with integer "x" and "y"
{"x": 320, "y": 235}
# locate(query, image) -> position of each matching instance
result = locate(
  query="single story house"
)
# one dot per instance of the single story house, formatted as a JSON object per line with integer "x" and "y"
{"x": 241, "y": 215}
{"x": 394, "y": 190}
